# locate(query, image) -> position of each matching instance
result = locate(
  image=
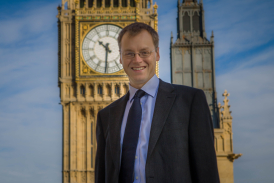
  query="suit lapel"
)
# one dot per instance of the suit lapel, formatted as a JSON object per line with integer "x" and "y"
{"x": 116, "y": 117}
{"x": 164, "y": 102}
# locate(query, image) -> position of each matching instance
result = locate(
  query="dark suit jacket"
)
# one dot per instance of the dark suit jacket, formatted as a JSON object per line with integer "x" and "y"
{"x": 181, "y": 145}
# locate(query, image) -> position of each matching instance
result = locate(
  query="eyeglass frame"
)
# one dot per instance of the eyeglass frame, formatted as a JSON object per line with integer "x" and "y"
{"x": 139, "y": 54}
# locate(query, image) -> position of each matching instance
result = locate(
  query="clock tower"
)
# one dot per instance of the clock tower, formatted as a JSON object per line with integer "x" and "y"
{"x": 90, "y": 75}
{"x": 193, "y": 64}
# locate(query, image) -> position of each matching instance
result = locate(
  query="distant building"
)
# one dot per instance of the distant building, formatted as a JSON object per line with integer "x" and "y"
{"x": 193, "y": 64}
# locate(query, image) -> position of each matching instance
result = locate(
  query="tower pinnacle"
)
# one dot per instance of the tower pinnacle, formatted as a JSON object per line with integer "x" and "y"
{"x": 189, "y": 1}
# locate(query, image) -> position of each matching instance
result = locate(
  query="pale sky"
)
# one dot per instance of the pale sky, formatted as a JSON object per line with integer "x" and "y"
{"x": 31, "y": 117}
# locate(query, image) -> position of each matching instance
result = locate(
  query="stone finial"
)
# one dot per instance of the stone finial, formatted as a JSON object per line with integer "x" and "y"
{"x": 155, "y": 6}
{"x": 212, "y": 37}
{"x": 226, "y": 113}
{"x": 201, "y": 1}
{"x": 171, "y": 38}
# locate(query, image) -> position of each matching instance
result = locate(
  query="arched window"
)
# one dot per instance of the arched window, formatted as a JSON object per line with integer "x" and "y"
{"x": 196, "y": 22}
{"x": 115, "y": 3}
{"x": 132, "y": 3}
{"x": 100, "y": 90}
{"x": 66, "y": 5}
{"x": 107, "y": 3}
{"x": 124, "y": 3}
{"x": 99, "y": 3}
{"x": 82, "y": 3}
{"x": 82, "y": 90}
{"x": 108, "y": 90}
{"x": 90, "y": 3}
{"x": 91, "y": 89}
{"x": 125, "y": 88}
{"x": 83, "y": 112}
{"x": 91, "y": 111}
{"x": 74, "y": 90}
{"x": 148, "y": 4}
{"x": 186, "y": 22}
{"x": 117, "y": 90}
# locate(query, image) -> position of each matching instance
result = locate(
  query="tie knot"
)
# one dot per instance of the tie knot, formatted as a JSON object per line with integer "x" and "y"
{"x": 140, "y": 93}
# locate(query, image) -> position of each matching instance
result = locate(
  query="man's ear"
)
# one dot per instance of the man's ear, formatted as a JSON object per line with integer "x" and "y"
{"x": 157, "y": 54}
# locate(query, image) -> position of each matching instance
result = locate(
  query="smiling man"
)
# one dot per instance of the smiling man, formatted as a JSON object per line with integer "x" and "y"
{"x": 158, "y": 132}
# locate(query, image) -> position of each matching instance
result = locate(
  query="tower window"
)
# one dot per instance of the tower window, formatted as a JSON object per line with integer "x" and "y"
{"x": 107, "y": 3}
{"x": 91, "y": 90}
{"x": 90, "y": 3}
{"x": 99, "y": 3}
{"x": 82, "y": 90}
{"x": 115, "y": 3}
{"x": 132, "y": 3}
{"x": 82, "y": 3}
{"x": 196, "y": 22}
{"x": 124, "y": 3}
{"x": 186, "y": 22}
{"x": 91, "y": 154}
{"x": 125, "y": 88}
{"x": 100, "y": 90}
{"x": 66, "y": 5}
{"x": 108, "y": 92}
{"x": 91, "y": 134}
{"x": 117, "y": 90}
{"x": 148, "y": 4}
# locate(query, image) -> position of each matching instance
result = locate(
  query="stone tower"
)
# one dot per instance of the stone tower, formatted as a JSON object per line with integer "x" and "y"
{"x": 192, "y": 54}
{"x": 192, "y": 64}
{"x": 90, "y": 76}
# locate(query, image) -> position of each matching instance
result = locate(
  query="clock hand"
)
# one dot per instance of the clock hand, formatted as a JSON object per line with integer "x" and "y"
{"x": 107, "y": 51}
{"x": 101, "y": 43}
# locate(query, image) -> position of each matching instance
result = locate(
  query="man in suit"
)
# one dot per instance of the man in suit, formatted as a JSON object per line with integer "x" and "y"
{"x": 158, "y": 132}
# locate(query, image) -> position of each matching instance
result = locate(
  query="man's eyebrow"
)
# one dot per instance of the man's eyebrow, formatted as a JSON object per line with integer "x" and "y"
{"x": 126, "y": 50}
{"x": 146, "y": 48}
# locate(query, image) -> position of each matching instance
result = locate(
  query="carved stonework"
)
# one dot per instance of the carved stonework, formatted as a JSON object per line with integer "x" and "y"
{"x": 232, "y": 157}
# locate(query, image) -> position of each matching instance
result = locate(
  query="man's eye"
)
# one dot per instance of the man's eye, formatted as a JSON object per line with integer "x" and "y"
{"x": 129, "y": 54}
{"x": 145, "y": 52}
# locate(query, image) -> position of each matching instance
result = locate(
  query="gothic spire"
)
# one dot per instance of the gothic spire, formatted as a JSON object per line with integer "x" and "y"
{"x": 189, "y": 1}
{"x": 171, "y": 38}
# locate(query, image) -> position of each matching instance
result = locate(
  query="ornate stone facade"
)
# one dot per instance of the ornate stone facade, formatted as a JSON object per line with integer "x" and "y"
{"x": 193, "y": 64}
{"x": 192, "y": 54}
{"x": 83, "y": 90}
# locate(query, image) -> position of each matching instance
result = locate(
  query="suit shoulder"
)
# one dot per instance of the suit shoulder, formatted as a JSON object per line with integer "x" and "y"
{"x": 187, "y": 89}
{"x": 115, "y": 103}
{"x": 182, "y": 88}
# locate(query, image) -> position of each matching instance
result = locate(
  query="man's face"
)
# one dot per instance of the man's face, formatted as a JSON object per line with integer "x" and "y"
{"x": 139, "y": 70}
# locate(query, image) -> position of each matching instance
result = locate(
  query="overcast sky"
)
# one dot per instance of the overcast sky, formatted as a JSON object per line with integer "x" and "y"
{"x": 31, "y": 117}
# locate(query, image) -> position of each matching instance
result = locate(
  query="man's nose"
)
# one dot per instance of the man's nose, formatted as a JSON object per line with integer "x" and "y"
{"x": 137, "y": 58}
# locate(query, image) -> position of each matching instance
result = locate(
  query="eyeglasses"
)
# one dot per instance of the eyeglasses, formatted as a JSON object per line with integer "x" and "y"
{"x": 142, "y": 54}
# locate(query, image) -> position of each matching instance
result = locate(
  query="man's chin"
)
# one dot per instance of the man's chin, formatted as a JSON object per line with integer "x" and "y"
{"x": 137, "y": 82}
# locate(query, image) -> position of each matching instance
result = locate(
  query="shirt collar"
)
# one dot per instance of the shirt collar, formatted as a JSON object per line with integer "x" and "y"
{"x": 151, "y": 88}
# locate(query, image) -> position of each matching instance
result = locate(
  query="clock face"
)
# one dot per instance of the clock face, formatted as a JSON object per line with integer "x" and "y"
{"x": 100, "y": 49}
